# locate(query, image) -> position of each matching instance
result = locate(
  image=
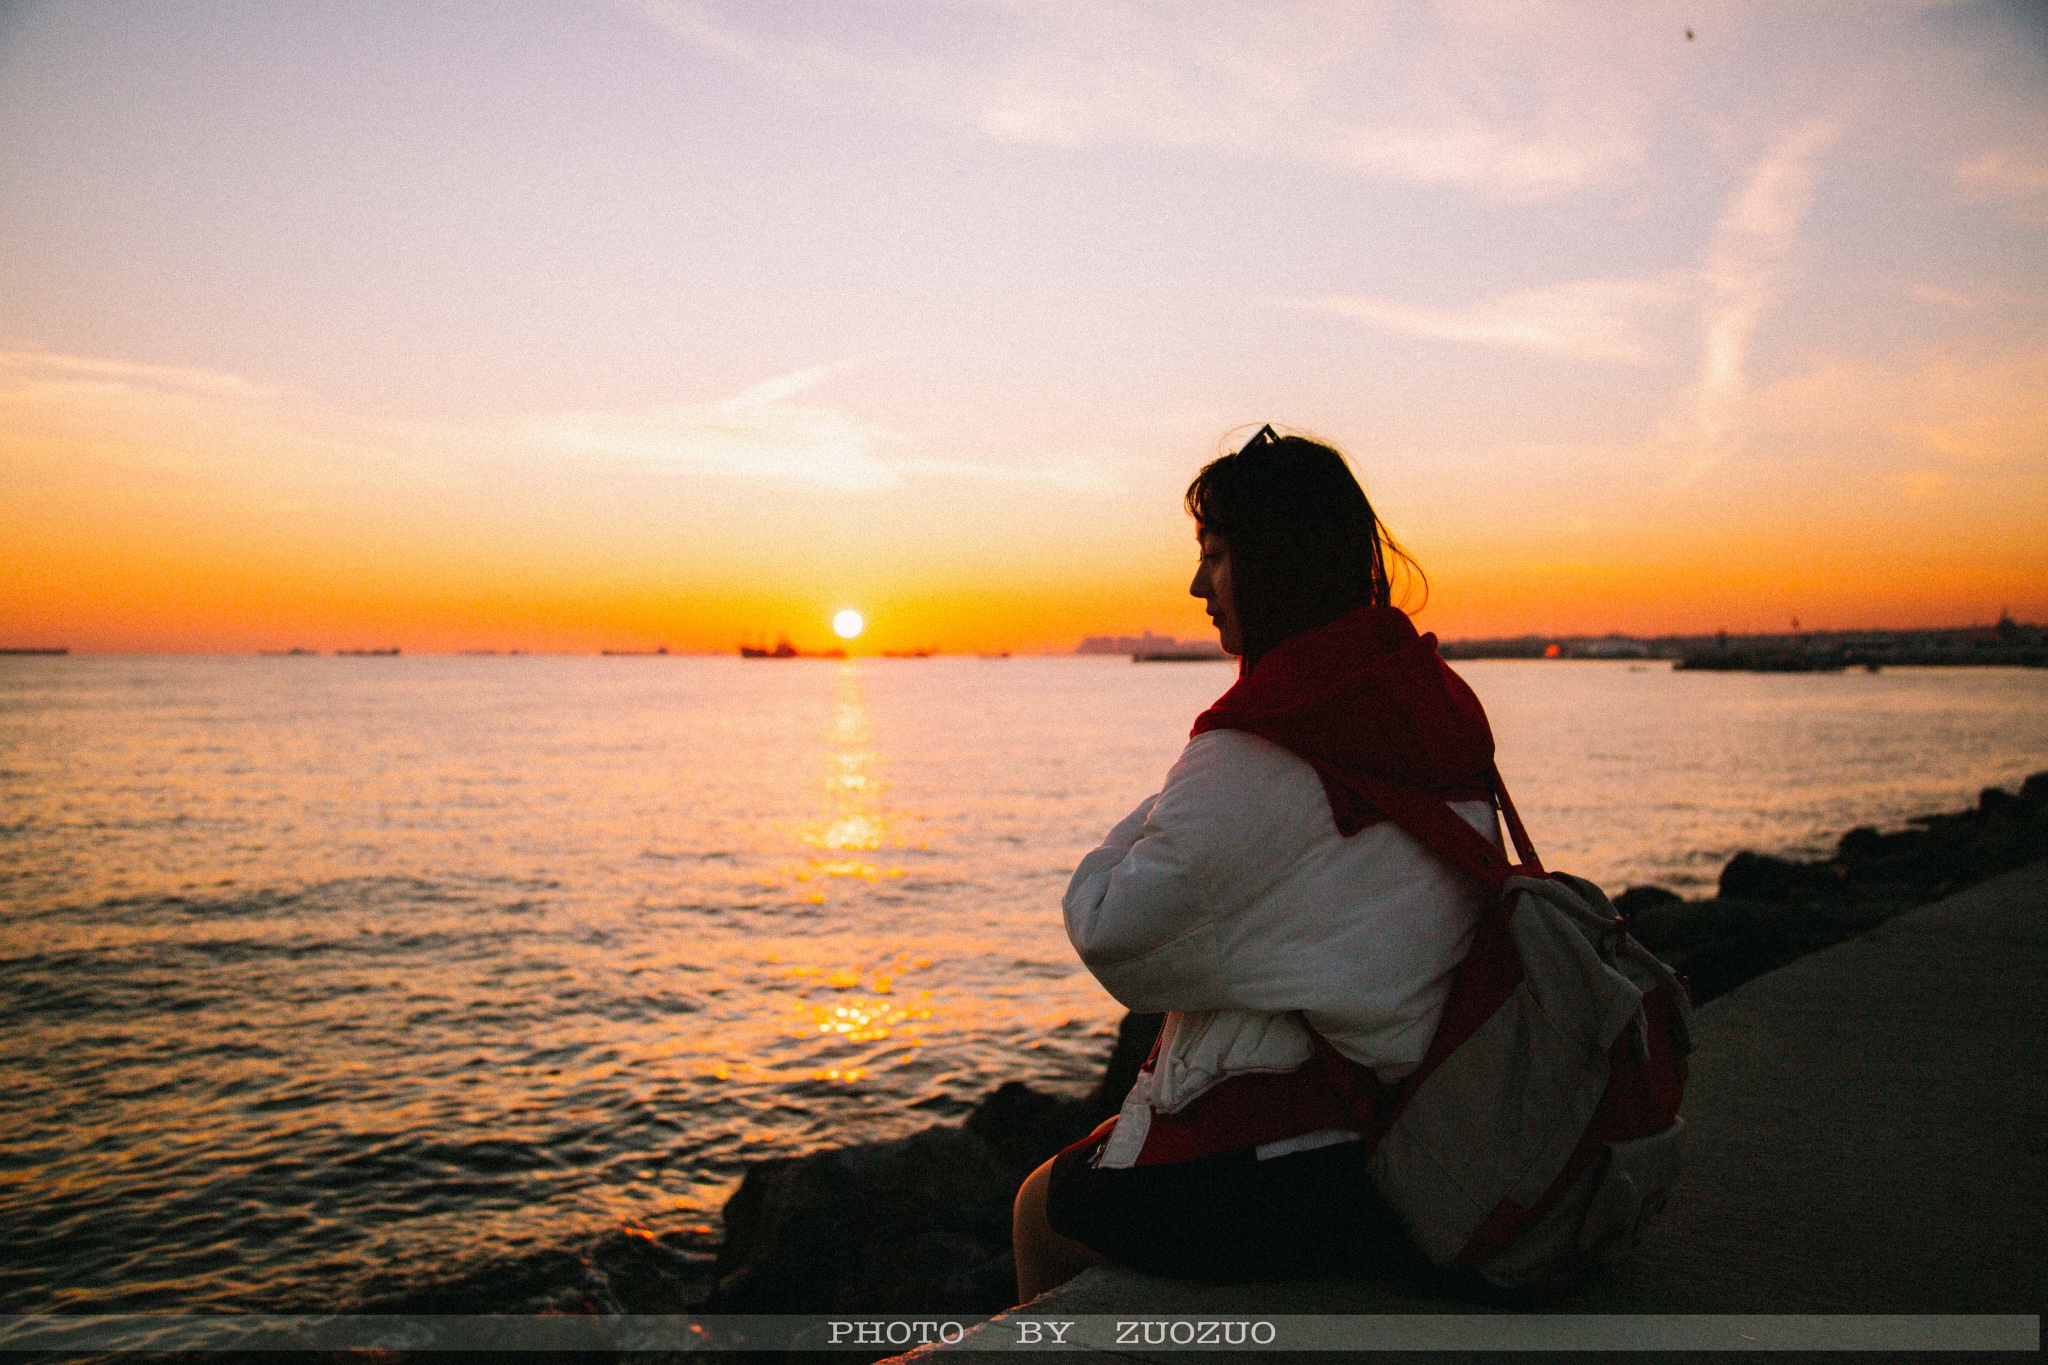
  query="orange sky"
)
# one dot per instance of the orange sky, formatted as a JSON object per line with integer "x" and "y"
{"x": 141, "y": 519}
{"x": 650, "y": 332}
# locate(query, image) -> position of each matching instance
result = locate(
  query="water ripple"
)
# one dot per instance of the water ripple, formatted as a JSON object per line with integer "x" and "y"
{"x": 456, "y": 981}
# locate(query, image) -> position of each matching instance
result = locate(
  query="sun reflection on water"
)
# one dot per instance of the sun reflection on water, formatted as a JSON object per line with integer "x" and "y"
{"x": 462, "y": 953}
{"x": 854, "y": 820}
{"x": 577, "y": 939}
{"x": 833, "y": 1009}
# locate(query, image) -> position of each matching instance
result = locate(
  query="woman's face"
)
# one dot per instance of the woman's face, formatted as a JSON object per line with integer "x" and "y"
{"x": 1212, "y": 585}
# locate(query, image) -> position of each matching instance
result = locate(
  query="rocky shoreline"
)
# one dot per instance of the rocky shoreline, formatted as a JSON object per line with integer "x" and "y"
{"x": 922, "y": 1223}
{"x": 1770, "y": 911}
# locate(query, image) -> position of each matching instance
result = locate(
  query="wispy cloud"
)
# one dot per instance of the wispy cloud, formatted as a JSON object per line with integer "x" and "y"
{"x": 2001, "y": 177}
{"x": 760, "y": 434}
{"x": 1512, "y": 100}
{"x": 770, "y": 392}
{"x": 1934, "y": 413}
{"x": 1944, "y": 298}
{"x": 1075, "y": 473}
{"x": 1923, "y": 485}
{"x": 2016, "y": 181}
{"x": 1985, "y": 415}
{"x": 166, "y": 424}
{"x": 1584, "y": 319}
{"x": 1608, "y": 320}
{"x": 1746, "y": 261}
{"x": 216, "y": 428}
{"x": 46, "y": 375}
{"x": 755, "y": 439}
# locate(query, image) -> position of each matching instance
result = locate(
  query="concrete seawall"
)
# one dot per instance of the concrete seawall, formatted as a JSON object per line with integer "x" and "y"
{"x": 1866, "y": 1136}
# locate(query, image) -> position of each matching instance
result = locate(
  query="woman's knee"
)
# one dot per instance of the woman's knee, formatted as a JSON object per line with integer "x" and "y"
{"x": 1028, "y": 1212}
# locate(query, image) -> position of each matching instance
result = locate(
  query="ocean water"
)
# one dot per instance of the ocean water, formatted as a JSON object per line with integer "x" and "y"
{"x": 321, "y": 976}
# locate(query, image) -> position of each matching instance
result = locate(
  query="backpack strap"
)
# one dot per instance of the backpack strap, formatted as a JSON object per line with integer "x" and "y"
{"x": 1430, "y": 819}
{"x": 1523, "y": 848}
{"x": 1432, "y": 822}
{"x": 1371, "y": 1100}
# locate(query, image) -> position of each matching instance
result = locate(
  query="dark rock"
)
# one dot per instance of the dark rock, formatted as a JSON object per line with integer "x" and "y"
{"x": 1666, "y": 927}
{"x": 1010, "y": 1110}
{"x": 1773, "y": 910}
{"x": 1723, "y": 943}
{"x": 553, "y": 1281}
{"x": 1685, "y": 927}
{"x": 1024, "y": 1127}
{"x": 1134, "y": 1039}
{"x": 1760, "y": 877}
{"x": 620, "y": 1272}
{"x": 649, "y": 1274}
{"x": 1637, "y": 899}
{"x": 1999, "y": 804}
{"x": 920, "y": 1224}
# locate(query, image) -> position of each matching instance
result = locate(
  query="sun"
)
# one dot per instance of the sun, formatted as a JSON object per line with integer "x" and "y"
{"x": 847, "y": 624}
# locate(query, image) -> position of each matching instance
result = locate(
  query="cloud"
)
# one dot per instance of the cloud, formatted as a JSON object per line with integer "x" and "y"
{"x": 1984, "y": 415}
{"x": 769, "y": 392}
{"x": 1959, "y": 416}
{"x": 759, "y": 434}
{"x": 214, "y": 429}
{"x": 2015, "y": 182}
{"x": 1923, "y": 485}
{"x": 745, "y": 437}
{"x": 2000, "y": 177}
{"x": 1085, "y": 473}
{"x": 46, "y": 376}
{"x": 1746, "y": 259}
{"x": 163, "y": 424}
{"x": 1470, "y": 153}
{"x": 1512, "y": 100}
{"x": 1944, "y": 298}
{"x": 1585, "y": 319}
{"x": 1741, "y": 279}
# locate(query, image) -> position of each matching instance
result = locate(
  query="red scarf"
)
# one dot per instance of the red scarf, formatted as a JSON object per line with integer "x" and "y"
{"x": 1365, "y": 695}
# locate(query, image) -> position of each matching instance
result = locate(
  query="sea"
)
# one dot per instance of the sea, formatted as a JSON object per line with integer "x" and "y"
{"x": 329, "y": 978}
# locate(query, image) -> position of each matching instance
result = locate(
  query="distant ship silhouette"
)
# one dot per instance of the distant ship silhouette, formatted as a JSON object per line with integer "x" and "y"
{"x": 785, "y": 650}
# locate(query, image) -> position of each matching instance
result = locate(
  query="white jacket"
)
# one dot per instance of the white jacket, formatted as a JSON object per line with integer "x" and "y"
{"x": 1231, "y": 899}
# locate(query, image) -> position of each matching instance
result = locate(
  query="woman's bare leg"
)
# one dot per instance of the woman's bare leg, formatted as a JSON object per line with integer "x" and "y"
{"x": 1044, "y": 1258}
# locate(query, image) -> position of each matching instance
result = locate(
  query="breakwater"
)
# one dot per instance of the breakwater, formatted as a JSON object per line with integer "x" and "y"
{"x": 2006, "y": 644}
{"x": 922, "y": 1223}
{"x": 1915, "y": 1048}
{"x": 1769, "y": 911}
{"x": 336, "y": 981}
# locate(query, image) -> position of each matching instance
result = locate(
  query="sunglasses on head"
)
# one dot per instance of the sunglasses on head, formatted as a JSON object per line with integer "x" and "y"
{"x": 1264, "y": 436}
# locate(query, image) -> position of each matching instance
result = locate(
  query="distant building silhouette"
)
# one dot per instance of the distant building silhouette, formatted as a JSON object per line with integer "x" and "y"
{"x": 1146, "y": 643}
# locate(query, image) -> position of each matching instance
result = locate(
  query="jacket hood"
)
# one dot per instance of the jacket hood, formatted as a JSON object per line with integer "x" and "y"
{"x": 1365, "y": 696}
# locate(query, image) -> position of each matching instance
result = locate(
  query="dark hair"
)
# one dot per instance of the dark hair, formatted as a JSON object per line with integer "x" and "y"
{"x": 1305, "y": 547}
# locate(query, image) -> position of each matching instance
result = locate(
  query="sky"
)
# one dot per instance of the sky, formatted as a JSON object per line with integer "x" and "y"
{"x": 569, "y": 326}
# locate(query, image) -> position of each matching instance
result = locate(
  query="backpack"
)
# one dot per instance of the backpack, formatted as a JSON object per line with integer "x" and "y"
{"x": 1541, "y": 1131}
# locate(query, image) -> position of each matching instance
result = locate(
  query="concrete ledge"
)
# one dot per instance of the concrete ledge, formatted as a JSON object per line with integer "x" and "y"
{"x": 1866, "y": 1136}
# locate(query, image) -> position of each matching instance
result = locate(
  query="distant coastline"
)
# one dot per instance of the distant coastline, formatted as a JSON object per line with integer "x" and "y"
{"x": 1146, "y": 648}
{"x": 2004, "y": 643}
{"x": 2007, "y": 643}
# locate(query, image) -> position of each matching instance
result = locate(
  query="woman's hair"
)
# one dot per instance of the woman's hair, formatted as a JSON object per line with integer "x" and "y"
{"x": 1305, "y": 547}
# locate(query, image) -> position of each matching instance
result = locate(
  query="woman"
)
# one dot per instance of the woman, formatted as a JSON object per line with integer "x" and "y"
{"x": 1302, "y": 945}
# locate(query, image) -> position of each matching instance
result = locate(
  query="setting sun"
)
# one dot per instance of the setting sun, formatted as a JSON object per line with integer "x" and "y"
{"x": 847, "y": 624}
